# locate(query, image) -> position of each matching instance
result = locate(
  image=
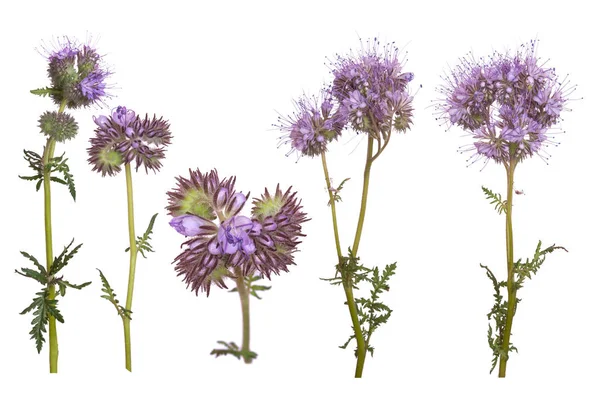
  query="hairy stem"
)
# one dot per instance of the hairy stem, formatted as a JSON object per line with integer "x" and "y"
{"x": 333, "y": 211}
{"x": 132, "y": 260}
{"x": 510, "y": 286}
{"x": 244, "y": 292}
{"x": 47, "y": 156}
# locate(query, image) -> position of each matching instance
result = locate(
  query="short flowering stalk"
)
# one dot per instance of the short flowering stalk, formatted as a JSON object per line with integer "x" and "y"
{"x": 77, "y": 80}
{"x": 121, "y": 139}
{"x": 510, "y": 104}
{"x": 369, "y": 95}
{"x": 223, "y": 245}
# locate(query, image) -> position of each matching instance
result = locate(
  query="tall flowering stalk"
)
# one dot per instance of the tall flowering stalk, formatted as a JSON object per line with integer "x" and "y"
{"x": 223, "y": 245}
{"x": 369, "y": 94}
{"x": 78, "y": 80}
{"x": 509, "y": 104}
{"x": 122, "y": 139}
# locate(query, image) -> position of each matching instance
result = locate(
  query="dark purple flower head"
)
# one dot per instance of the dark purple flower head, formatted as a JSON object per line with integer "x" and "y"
{"x": 507, "y": 102}
{"x": 77, "y": 73}
{"x": 371, "y": 88}
{"x": 312, "y": 126}
{"x": 124, "y": 137}
{"x": 221, "y": 241}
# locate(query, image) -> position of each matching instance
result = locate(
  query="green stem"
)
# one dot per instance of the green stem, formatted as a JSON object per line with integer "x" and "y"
{"x": 132, "y": 260}
{"x": 47, "y": 156}
{"x": 510, "y": 285}
{"x": 365, "y": 193}
{"x": 333, "y": 211}
{"x": 245, "y": 301}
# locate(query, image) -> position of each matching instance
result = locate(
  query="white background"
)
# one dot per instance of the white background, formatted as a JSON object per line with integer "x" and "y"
{"x": 219, "y": 74}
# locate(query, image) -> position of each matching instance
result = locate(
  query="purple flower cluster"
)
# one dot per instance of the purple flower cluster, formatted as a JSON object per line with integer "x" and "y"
{"x": 313, "y": 125}
{"x": 507, "y": 102}
{"x": 124, "y": 137}
{"x": 77, "y": 74}
{"x": 206, "y": 209}
{"x": 369, "y": 92}
{"x": 371, "y": 88}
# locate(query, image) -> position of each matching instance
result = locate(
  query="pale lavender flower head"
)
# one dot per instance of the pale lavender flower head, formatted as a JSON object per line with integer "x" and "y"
{"x": 507, "y": 102}
{"x": 312, "y": 126}
{"x": 123, "y": 137}
{"x": 221, "y": 241}
{"x": 77, "y": 73}
{"x": 371, "y": 88}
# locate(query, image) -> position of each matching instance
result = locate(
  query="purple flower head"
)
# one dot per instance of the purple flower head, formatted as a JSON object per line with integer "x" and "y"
{"x": 233, "y": 237}
{"x": 124, "y": 137}
{"x": 77, "y": 73}
{"x": 507, "y": 102}
{"x": 263, "y": 243}
{"x": 276, "y": 231}
{"x": 312, "y": 126}
{"x": 371, "y": 89}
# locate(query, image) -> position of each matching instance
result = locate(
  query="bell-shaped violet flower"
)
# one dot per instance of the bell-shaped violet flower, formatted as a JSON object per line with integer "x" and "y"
{"x": 192, "y": 225}
{"x": 233, "y": 237}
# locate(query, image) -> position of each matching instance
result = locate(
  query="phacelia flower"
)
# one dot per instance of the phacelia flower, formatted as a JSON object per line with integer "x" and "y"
{"x": 371, "y": 88}
{"x": 507, "y": 102}
{"x": 313, "y": 125}
{"x": 77, "y": 73}
{"x": 124, "y": 137}
{"x": 221, "y": 241}
{"x": 60, "y": 126}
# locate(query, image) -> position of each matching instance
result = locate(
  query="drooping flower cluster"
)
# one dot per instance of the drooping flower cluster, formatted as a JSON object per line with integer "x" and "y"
{"x": 371, "y": 88}
{"x": 508, "y": 102}
{"x": 124, "y": 137}
{"x": 206, "y": 209}
{"x": 369, "y": 92}
{"x": 77, "y": 74}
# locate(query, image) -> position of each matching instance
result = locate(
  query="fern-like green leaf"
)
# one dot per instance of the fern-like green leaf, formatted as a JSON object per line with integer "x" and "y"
{"x": 496, "y": 200}
{"x": 336, "y": 191}
{"x": 143, "y": 242}
{"x": 42, "y": 308}
{"x": 112, "y": 298}
{"x": 231, "y": 348}
{"x": 65, "y": 256}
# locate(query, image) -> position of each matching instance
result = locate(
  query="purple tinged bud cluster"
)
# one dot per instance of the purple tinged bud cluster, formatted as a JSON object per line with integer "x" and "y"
{"x": 124, "y": 137}
{"x": 77, "y": 73}
{"x": 507, "y": 102}
{"x": 369, "y": 93}
{"x": 220, "y": 241}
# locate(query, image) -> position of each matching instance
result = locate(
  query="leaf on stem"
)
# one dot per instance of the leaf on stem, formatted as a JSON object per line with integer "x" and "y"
{"x": 496, "y": 200}
{"x": 112, "y": 298}
{"x": 336, "y": 192}
{"x": 143, "y": 242}
{"x": 42, "y": 308}
{"x": 231, "y": 348}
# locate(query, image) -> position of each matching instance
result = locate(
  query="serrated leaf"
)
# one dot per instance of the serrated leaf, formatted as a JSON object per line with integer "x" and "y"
{"x": 111, "y": 297}
{"x": 34, "y": 274}
{"x": 45, "y": 91}
{"x": 143, "y": 242}
{"x": 496, "y": 200}
{"x": 32, "y": 258}
{"x": 65, "y": 256}
{"x": 231, "y": 348}
{"x": 42, "y": 308}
